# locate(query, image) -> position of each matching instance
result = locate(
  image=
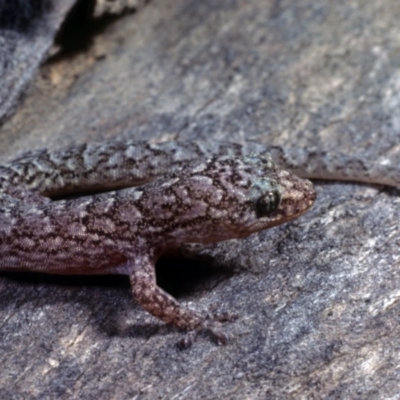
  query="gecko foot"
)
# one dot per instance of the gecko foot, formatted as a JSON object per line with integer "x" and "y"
{"x": 210, "y": 326}
{"x": 217, "y": 335}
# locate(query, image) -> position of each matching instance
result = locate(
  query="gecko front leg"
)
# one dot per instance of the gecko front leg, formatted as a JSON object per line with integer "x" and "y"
{"x": 163, "y": 306}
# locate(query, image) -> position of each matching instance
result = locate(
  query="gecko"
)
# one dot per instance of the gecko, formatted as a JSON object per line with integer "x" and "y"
{"x": 139, "y": 200}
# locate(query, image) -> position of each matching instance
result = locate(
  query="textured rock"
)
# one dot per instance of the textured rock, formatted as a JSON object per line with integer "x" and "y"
{"x": 318, "y": 298}
{"x": 27, "y": 30}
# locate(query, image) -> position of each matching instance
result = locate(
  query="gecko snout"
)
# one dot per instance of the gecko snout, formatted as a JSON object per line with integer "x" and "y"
{"x": 298, "y": 195}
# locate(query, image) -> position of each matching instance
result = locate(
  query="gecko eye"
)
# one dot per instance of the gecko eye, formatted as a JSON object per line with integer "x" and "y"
{"x": 268, "y": 203}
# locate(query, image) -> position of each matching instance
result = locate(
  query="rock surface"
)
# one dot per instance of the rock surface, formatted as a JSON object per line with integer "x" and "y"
{"x": 27, "y": 30}
{"x": 319, "y": 298}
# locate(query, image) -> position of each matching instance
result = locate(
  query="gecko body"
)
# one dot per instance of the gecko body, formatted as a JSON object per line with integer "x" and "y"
{"x": 157, "y": 196}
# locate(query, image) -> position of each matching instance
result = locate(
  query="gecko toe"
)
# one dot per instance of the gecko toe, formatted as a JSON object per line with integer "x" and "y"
{"x": 223, "y": 316}
{"x": 188, "y": 340}
{"x": 212, "y": 328}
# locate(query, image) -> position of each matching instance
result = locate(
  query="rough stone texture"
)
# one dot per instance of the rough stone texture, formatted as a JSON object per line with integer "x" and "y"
{"x": 318, "y": 298}
{"x": 27, "y": 30}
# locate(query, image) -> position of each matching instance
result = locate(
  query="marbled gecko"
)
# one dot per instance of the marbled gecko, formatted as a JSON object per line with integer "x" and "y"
{"x": 156, "y": 197}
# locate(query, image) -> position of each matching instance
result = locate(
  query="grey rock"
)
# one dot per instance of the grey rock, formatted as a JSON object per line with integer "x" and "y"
{"x": 318, "y": 298}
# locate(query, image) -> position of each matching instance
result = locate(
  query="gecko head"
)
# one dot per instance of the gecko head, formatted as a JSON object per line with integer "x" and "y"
{"x": 265, "y": 195}
{"x": 232, "y": 197}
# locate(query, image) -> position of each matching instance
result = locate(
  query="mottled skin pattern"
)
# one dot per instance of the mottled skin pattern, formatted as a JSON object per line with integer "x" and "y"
{"x": 185, "y": 193}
